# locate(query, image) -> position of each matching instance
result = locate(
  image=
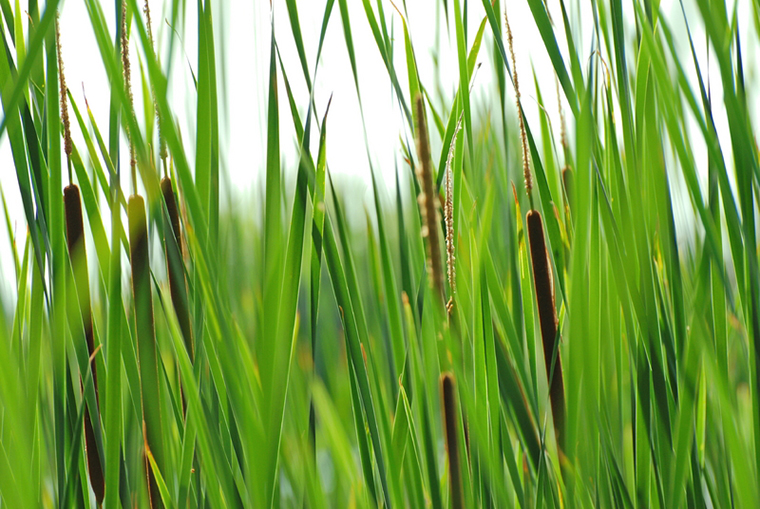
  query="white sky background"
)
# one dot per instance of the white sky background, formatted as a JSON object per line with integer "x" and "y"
{"x": 242, "y": 34}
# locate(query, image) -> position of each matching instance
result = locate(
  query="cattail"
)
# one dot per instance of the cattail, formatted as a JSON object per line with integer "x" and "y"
{"x": 542, "y": 278}
{"x": 428, "y": 200}
{"x": 78, "y": 256}
{"x": 177, "y": 283}
{"x": 448, "y": 214}
{"x": 448, "y": 395}
{"x": 146, "y": 337}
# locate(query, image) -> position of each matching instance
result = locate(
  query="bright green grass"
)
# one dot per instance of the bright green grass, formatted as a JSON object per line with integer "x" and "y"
{"x": 318, "y": 342}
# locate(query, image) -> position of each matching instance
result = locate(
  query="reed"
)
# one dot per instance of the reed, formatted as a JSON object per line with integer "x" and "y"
{"x": 449, "y": 404}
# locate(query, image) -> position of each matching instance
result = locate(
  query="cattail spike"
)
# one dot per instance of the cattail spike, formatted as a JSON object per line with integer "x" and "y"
{"x": 77, "y": 254}
{"x": 449, "y": 403}
{"x": 146, "y": 337}
{"x": 428, "y": 200}
{"x": 67, "y": 145}
{"x": 449, "y": 219}
{"x": 523, "y": 134}
{"x": 547, "y": 315}
{"x": 126, "y": 70}
{"x": 162, "y": 153}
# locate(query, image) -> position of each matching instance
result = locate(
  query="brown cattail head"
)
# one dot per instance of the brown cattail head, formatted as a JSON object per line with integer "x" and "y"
{"x": 67, "y": 146}
{"x": 146, "y": 336}
{"x": 428, "y": 201}
{"x": 523, "y": 135}
{"x": 542, "y": 278}
{"x": 449, "y": 402}
{"x": 77, "y": 254}
{"x": 75, "y": 240}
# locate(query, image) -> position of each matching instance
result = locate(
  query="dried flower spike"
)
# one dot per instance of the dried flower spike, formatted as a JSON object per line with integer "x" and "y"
{"x": 448, "y": 214}
{"x": 428, "y": 200}
{"x": 523, "y": 135}
{"x": 128, "y": 83}
{"x": 67, "y": 146}
{"x": 162, "y": 153}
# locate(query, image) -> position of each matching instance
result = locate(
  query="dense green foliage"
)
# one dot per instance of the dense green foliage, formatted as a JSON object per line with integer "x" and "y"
{"x": 285, "y": 354}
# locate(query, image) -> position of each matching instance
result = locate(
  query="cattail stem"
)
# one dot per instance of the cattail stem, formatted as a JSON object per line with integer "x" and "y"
{"x": 448, "y": 395}
{"x": 146, "y": 337}
{"x": 78, "y": 256}
{"x": 547, "y": 315}
{"x": 428, "y": 201}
